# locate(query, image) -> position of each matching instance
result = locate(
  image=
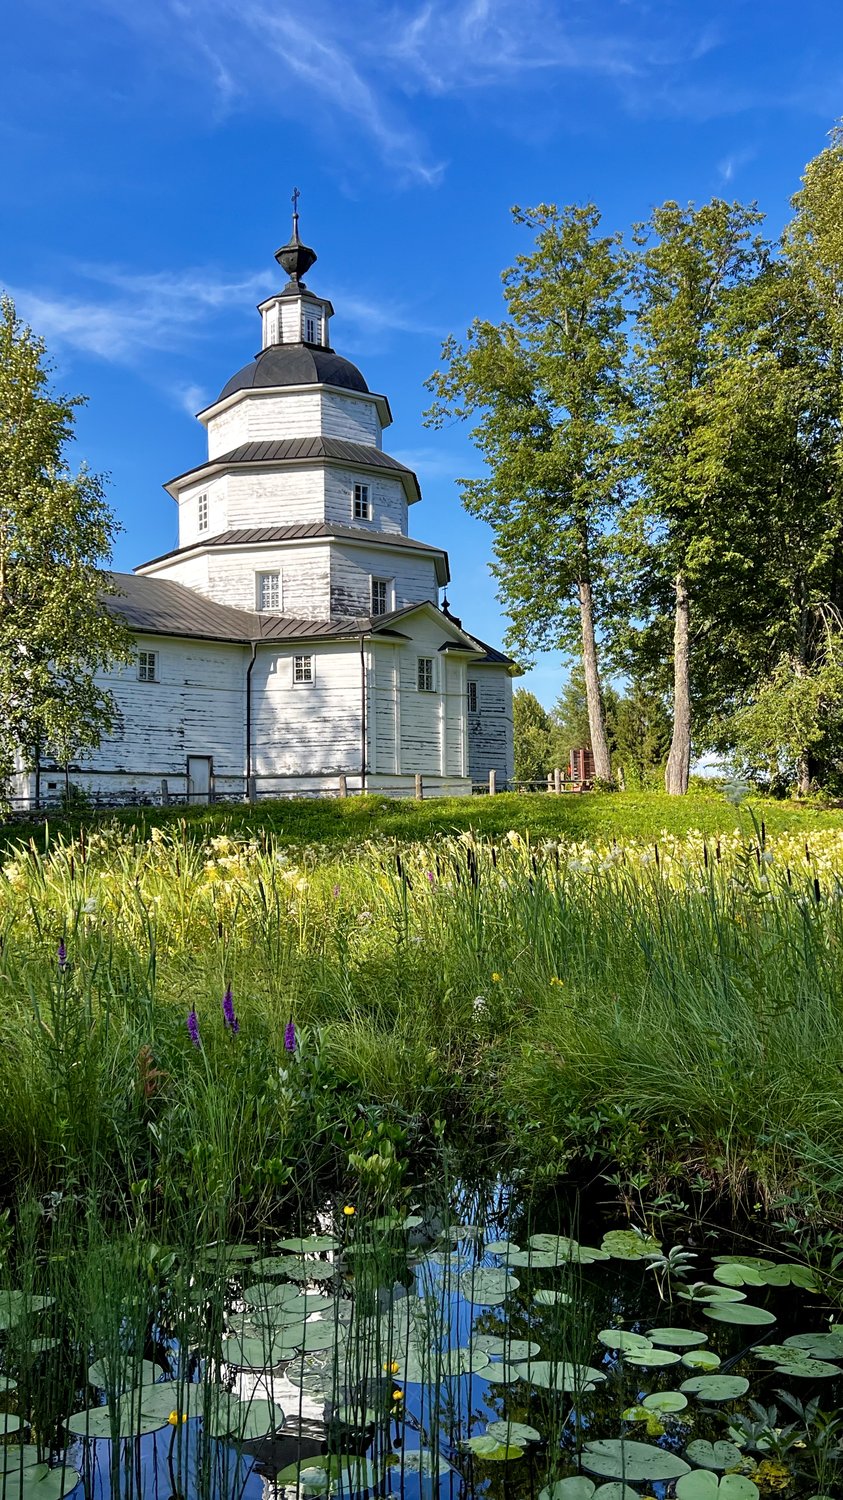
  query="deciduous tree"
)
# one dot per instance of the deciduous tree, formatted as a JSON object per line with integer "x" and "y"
{"x": 56, "y": 531}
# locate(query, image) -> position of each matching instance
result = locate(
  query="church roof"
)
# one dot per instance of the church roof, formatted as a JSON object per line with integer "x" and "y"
{"x": 296, "y": 364}
{"x": 302, "y": 450}
{"x": 158, "y": 606}
{"x": 303, "y": 531}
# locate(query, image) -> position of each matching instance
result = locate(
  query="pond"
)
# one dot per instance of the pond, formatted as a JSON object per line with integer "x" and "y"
{"x": 480, "y": 1343}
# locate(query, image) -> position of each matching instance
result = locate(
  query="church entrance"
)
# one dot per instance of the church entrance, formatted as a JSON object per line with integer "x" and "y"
{"x": 200, "y": 770}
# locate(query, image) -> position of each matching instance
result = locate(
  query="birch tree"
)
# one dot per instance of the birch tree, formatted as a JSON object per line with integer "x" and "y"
{"x": 56, "y": 531}
{"x": 546, "y": 394}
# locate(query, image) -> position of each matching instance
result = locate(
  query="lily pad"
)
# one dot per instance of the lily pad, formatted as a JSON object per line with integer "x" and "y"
{"x": 146, "y": 1373}
{"x": 651, "y": 1359}
{"x": 701, "y": 1359}
{"x": 14, "y": 1459}
{"x": 742, "y": 1313}
{"x": 797, "y": 1362}
{"x": 43, "y": 1483}
{"x": 245, "y": 1421}
{"x": 577, "y": 1487}
{"x": 618, "y": 1458}
{"x": 513, "y": 1432}
{"x": 676, "y": 1338}
{"x": 546, "y": 1297}
{"x": 703, "y": 1291}
{"x": 703, "y": 1485}
{"x": 736, "y": 1274}
{"x": 628, "y": 1244}
{"x": 823, "y": 1345}
{"x": 9, "y": 1423}
{"x": 714, "y": 1455}
{"x": 491, "y": 1449}
{"x": 624, "y": 1339}
{"x": 560, "y": 1375}
{"x": 505, "y": 1348}
{"x": 313, "y": 1244}
{"x": 500, "y": 1374}
{"x": 488, "y": 1286}
{"x": 665, "y": 1401}
{"x": 716, "y": 1387}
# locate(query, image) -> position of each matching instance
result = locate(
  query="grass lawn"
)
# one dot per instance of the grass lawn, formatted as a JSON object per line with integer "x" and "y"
{"x": 334, "y": 822}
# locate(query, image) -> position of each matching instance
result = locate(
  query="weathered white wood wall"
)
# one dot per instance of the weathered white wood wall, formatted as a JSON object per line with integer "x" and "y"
{"x": 273, "y": 414}
{"x": 490, "y": 744}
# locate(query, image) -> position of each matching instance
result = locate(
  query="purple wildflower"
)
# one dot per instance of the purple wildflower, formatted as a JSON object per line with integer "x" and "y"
{"x": 290, "y": 1037}
{"x": 193, "y": 1028}
{"x": 431, "y": 877}
{"x": 228, "y": 1015}
{"x": 62, "y": 954}
{"x": 336, "y": 891}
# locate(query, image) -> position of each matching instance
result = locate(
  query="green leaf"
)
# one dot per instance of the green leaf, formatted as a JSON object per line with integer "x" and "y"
{"x": 619, "y": 1458}
{"x": 560, "y": 1375}
{"x": 628, "y": 1244}
{"x": 703, "y": 1485}
{"x": 739, "y": 1313}
{"x": 420, "y": 1461}
{"x": 676, "y": 1338}
{"x": 713, "y": 1455}
{"x": 701, "y": 1359}
{"x": 487, "y": 1286}
{"x": 651, "y": 1359}
{"x": 505, "y": 1348}
{"x": 513, "y": 1432}
{"x": 624, "y": 1339}
{"x": 43, "y": 1483}
{"x": 716, "y": 1387}
{"x": 577, "y": 1487}
{"x": 665, "y": 1401}
{"x": 491, "y": 1449}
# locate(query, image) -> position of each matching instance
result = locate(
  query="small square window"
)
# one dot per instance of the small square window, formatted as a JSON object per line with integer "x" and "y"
{"x": 147, "y": 666}
{"x": 202, "y": 508}
{"x": 269, "y": 591}
{"x": 380, "y": 596}
{"x": 425, "y": 674}
{"x": 362, "y": 503}
{"x": 302, "y": 669}
{"x": 472, "y": 697}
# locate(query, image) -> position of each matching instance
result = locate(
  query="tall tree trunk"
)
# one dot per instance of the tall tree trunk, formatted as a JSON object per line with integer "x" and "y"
{"x": 679, "y": 760}
{"x": 596, "y": 725}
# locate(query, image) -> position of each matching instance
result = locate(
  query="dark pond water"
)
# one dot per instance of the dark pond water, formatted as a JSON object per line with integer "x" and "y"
{"x": 498, "y": 1350}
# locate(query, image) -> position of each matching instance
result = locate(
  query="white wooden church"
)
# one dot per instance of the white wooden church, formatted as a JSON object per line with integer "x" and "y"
{"x": 294, "y": 641}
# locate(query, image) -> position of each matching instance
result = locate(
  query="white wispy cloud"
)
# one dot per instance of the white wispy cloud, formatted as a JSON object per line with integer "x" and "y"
{"x": 730, "y": 165}
{"x": 123, "y": 315}
{"x": 349, "y": 72}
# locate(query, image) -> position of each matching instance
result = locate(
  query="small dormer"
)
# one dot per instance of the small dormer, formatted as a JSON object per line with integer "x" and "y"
{"x": 295, "y": 315}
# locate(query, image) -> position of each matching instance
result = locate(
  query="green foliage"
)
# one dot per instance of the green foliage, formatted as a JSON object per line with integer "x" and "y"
{"x": 533, "y": 737}
{"x": 55, "y": 531}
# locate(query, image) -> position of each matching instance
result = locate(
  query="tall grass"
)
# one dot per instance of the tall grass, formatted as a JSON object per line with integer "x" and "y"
{"x": 658, "y": 1011}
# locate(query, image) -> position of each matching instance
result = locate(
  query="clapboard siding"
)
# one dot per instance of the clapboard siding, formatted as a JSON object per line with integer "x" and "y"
{"x": 490, "y": 746}
{"x": 193, "y": 572}
{"x": 388, "y": 500}
{"x": 312, "y": 728}
{"x": 384, "y": 712}
{"x": 352, "y": 569}
{"x": 233, "y": 578}
{"x": 197, "y": 707}
{"x": 259, "y": 415}
{"x": 216, "y": 490}
{"x": 257, "y": 497}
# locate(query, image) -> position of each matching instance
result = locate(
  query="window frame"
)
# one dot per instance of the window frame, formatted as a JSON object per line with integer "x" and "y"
{"x": 361, "y": 501}
{"x": 314, "y": 321}
{"x": 203, "y": 511}
{"x": 303, "y": 681}
{"x": 147, "y": 666}
{"x": 386, "y": 585}
{"x": 473, "y": 695}
{"x": 425, "y": 666}
{"x": 260, "y": 577}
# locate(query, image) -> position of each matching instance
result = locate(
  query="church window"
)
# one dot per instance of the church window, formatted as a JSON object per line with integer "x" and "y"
{"x": 380, "y": 596}
{"x": 362, "y": 503}
{"x": 302, "y": 669}
{"x": 312, "y": 328}
{"x": 269, "y": 591}
{"x": 202, "y": 507}
{"x": 425, "y": 674}
{"x": 147, "y": 666}
{"x": 472, "y": 698}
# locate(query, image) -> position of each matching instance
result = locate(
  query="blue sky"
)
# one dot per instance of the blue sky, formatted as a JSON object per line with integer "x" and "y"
{"x": 150, "y": 147}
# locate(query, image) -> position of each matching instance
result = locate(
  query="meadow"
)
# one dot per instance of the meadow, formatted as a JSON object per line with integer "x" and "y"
{"x": 660, "y": 1007}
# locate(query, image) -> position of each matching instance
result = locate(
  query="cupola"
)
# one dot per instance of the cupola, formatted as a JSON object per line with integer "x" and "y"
{"x": 295, "y": 315}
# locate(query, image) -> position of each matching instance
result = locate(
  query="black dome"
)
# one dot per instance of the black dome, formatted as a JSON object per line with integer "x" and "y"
{"x": 296, "y": 364}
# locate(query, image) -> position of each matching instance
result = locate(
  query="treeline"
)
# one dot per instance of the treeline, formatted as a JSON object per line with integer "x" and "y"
{"x": 637, "y": 726}
{"x": 661, "y": 422}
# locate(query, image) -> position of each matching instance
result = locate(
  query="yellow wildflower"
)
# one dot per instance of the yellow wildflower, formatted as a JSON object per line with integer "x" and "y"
{"x": 496, "y": 978}
{"x": 349, "y": 1210}
{"x": 175, "y": 1418}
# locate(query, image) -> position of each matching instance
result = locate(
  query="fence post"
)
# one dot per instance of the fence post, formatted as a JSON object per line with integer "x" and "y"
{"x": 550, "y": 781}
{"x": 253, "y": 789}
{"x": 419, "y": 788}
{"x": 557, "y": 781}
{"x": 493, "y": 783}
{"x": 165, "y": 793}
{"x": 343, "y": 785}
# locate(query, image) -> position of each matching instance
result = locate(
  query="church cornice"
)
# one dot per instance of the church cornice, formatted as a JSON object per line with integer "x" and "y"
{"x": 255, "y": 392}
{"x": 290, "y": 452}
{"x": 300, "y": 534}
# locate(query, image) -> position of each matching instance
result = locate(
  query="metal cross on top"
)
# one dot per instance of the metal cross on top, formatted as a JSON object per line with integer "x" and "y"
{"x": 295, "y": 202}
